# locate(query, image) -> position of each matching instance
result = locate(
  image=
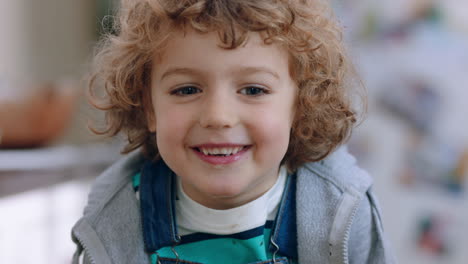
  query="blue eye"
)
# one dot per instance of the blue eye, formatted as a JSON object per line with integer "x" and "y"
{"x": 253, "y": 91}
{"x": 186, "y": 90}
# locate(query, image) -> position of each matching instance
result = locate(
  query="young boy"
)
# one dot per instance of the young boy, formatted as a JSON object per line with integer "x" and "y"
{"x": 237, "y": 109}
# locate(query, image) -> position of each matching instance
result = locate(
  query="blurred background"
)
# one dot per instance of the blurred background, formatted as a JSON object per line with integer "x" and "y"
{"x": 412, "y": 56}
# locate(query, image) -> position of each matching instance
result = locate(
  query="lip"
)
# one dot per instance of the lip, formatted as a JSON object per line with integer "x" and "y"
{"x": 219, "y": 145}
{"x": 221, "y": 160}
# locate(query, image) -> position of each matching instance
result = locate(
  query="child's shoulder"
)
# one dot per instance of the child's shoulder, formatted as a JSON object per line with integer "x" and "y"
{"x": 112, "y": 180}
{"x": 339, "y": 170}
{"x": 337, "y": 211}
{"x": 112, "y": 215}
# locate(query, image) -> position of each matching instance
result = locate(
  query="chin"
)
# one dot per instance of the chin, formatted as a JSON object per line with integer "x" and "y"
{"x": 228, "y": 191}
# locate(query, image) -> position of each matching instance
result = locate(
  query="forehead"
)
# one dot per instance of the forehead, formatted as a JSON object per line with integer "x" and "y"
{"x": 204, "y": 51}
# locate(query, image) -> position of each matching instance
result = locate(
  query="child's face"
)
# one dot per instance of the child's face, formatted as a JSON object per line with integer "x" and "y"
{"x": 208, "y": 101}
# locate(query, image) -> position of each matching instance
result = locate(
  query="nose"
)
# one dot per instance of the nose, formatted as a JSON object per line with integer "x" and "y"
{"x": 219, "y": 111}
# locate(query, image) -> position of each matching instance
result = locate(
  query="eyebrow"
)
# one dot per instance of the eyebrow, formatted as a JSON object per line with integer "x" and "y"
{"x": 254, "y": 70}
{"x": 243, "y": 71}
{"x": 173, "y": 71}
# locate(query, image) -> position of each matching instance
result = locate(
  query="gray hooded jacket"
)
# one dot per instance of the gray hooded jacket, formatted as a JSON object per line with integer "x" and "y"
{"x": 338, "y": 218}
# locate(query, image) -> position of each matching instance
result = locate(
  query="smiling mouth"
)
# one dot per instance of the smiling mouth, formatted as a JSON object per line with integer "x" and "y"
{"x": 220, "y": 152}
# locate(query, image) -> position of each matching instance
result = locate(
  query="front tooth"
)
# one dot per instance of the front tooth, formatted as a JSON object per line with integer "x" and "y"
{"x": 216, "y": 151}
{"x": 222, "y": 151}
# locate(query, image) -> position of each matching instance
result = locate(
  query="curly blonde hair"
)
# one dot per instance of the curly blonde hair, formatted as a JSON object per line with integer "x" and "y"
{"x": 307, "y": 28}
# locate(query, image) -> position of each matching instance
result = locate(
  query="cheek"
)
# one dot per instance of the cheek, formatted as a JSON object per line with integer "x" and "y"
{"x": 172, "y": 127}
{"x": 271, "y": 133}
{"x": 282, "y": 120}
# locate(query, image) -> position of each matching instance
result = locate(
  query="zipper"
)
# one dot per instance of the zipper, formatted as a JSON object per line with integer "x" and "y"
{"x": 341, "y": 228}
{"x": 348, "y": 231}
{"x": 85, "y": 249}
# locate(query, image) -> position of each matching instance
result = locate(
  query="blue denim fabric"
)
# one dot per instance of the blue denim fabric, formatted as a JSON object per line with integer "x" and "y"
{"x": 271, "y": 261}
{"x": 157, "y": 195}
{"x": 284, "y": 232}
{"x": 157, "y": 199}
{"x": 283, "y": 260}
